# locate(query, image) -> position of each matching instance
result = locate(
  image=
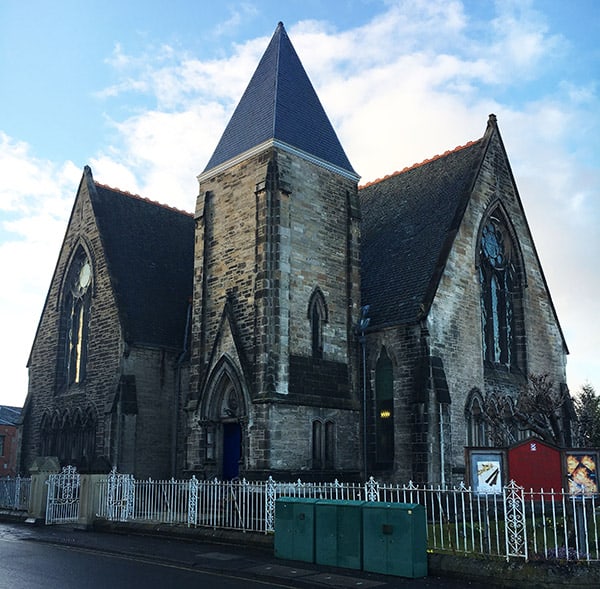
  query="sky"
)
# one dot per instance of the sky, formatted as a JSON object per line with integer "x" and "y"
{"x": 142, "y": 90}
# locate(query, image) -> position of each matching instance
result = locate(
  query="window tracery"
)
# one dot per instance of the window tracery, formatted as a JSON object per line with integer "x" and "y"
{"x": 70, "y": 437}
{"x": 499, "y": 285}
{"x": 75, "y": 315}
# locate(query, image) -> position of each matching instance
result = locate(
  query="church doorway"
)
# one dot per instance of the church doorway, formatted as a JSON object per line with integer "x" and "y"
{"x": 224, "y": 407}
{"x": 232, "y": 450}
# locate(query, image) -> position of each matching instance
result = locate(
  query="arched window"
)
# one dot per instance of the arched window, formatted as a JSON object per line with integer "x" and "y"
{"x": 477, "y": 434}
{"x": 317, "y": 315}
{"x": 499, "y": 280}
{"x": 323, "y": 444}
{"x": 384, "y": 409}
{"x": 75, "y": 316}
{"x": 317, "y": 444}
{"x": 71, "y": 438}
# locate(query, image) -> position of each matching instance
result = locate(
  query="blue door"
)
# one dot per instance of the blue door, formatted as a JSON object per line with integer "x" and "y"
{"x": 232, "y": 445}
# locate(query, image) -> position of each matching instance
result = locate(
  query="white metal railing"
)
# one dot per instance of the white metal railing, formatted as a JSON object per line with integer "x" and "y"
{"x": 535, "y": 525}
{"x": 15, "y": 493}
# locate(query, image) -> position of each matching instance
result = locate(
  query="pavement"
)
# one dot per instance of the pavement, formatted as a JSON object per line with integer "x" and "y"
{"x": 251, "y": 560}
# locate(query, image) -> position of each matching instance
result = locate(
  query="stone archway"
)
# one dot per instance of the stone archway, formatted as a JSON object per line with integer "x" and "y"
{"x": 225, "y": 417}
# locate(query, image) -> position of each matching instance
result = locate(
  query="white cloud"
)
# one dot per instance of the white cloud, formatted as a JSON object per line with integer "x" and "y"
{"x": 417, "y": 80}
{"x": 36, "y": 198}
{"x": 237, "y": 16}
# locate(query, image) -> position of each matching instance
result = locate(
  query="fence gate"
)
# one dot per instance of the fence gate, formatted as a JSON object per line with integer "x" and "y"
{"x": 120, "y": 496}
{"x": 62, "y": 505}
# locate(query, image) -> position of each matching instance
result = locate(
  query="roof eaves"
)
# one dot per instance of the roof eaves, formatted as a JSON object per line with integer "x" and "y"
{"x": 280, "y": 145}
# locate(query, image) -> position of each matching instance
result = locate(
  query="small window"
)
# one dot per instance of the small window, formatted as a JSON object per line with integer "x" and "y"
{"x": 317, "y": 444}
{"x": 384, "y": 409}
{"x": 323, "y": 444}
{"x": 1, "y": 445}
{"x": 317, "y": 315}
{"x": 329, "y": 444}
{"x": 477, "y": 434}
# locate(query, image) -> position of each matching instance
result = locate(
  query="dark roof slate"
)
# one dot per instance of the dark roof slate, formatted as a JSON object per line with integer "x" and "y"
{"x": 280, "y": 103}
{"x": 9, "y": 415}
{"x": 408, "y": 224}
{"x": 149, "y": 250}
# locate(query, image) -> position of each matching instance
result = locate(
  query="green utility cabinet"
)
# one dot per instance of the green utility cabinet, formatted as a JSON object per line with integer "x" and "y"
{"x": 338, "y": 533}
{"x": 395, "y": 539}
{"x": 295, "y": 528}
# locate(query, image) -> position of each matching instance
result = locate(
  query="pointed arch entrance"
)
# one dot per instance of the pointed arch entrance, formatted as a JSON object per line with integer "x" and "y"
{"x": 226, "y": 410}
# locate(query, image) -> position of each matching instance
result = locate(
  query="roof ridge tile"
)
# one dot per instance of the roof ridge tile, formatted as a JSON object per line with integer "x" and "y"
{"x": 143, "y": 198}
{"x": 419, "y": 164}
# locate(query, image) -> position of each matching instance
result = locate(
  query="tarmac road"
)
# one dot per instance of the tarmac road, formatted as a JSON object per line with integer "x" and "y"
{"x": 48, "y": 557}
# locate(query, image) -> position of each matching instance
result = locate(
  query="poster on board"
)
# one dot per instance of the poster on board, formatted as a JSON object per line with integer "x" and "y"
{"x": 487, "y": 472}
{"x": 581, "y": 471}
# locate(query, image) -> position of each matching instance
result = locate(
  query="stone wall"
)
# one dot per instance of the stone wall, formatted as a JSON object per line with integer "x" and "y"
{"x": 270, "y": 231}
{"x": 151, "y": 435}
{"x": 403, "y": 345}
{"x": 105, "y": 342}
{"x": 455, "y": 318}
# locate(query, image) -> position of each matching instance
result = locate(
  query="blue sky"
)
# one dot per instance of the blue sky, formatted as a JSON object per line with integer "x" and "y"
{"x": 141, "y": 92}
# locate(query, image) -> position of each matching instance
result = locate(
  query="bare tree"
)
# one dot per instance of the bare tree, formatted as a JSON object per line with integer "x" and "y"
{"x": 498, "y": 413}
{"x": 540, "y": 408}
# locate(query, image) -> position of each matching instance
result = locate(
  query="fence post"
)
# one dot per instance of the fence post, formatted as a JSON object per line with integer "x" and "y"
{"x": 372, "y": 490}
{"x": 270, "y": 505}
{"x": 111, "y": 494}
{"x": 192, "y": 502}
{"x": 17, "y": 501}
{"x": 515, "y": 532}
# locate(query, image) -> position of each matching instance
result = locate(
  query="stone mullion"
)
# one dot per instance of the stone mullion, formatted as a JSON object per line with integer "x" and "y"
{"x": 198, "y": 360}
{"x": 353, "y": 289}
{"x": 264, "y": 319}
{"x": 282, "y": 270}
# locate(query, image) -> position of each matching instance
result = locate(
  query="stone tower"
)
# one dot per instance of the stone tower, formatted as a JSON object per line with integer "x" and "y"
{"x": 276, "y": 288}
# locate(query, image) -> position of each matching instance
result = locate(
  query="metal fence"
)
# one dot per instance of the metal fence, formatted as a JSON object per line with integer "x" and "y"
{"x": 530, "y": 525}
{"x": 62, "y": 500}
{"x": 15, "y": 493}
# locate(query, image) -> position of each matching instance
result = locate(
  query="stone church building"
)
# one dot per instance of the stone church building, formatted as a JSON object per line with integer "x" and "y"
{"x": 295, "y": 325}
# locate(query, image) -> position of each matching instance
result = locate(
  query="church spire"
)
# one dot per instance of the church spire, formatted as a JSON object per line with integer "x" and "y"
{"x": 280, "y": 107}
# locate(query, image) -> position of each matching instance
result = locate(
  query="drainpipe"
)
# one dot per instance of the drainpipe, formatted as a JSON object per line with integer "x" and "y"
{"x": 432, "y": 392}
{"x": 180, "y": 360}
{"x": 360, "y": 328}
{"x": 442, "y": 458}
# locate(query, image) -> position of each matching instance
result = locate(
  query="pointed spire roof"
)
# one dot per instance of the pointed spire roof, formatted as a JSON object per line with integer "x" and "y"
{"x": 280, "y": 107}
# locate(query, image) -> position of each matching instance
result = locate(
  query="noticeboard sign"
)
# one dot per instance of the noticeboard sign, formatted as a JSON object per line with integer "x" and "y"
{"x": 487, "y": 471}
{"x": 581, "y": 468}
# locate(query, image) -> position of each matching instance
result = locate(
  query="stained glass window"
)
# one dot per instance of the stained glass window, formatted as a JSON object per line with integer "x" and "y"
{"x": 497, "y": 278}
{"x": 75, "y": 321}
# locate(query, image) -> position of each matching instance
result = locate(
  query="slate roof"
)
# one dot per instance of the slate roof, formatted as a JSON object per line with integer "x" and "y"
{"x": 9, "y": 415}
{"x": 408, "y": 225}
{"x": 280, "y": 103}
{"x": 149, "y": 251}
